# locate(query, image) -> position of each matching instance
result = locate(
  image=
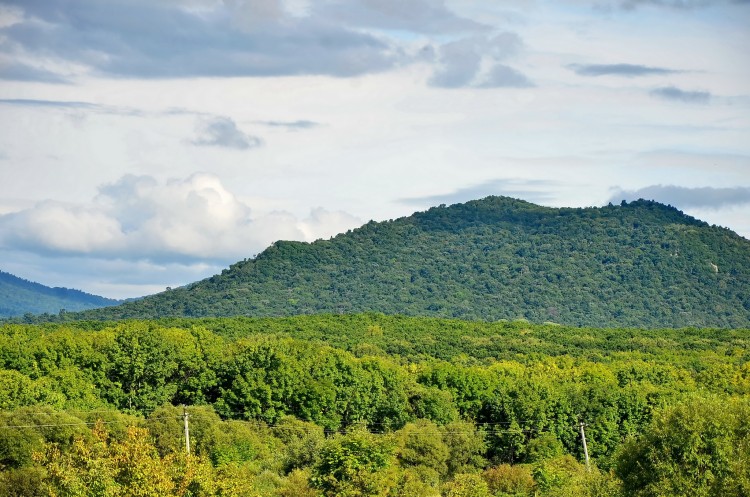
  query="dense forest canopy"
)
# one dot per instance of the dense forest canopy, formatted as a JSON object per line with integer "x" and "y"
{"x": 19, "y": 297}
{"x": 371, "y": 404}
{"x": 638, "y": 264}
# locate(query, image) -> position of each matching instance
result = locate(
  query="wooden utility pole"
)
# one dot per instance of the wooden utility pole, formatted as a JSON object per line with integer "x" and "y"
{"x": 585, "y": 449}
{"x": 187, "y": 430}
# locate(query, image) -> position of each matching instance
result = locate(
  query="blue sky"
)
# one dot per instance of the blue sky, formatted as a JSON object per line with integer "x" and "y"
{"x": 148, "y": 144}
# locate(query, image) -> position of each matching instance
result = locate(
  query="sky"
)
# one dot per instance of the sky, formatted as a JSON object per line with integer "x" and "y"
{"x": 152, "y": 143}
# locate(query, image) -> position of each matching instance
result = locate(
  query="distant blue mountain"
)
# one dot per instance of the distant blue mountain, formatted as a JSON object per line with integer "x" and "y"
{"x": 19, "y": 297}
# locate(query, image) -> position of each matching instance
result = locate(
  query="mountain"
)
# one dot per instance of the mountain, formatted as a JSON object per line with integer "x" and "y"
{"x": 19, "y": 296}
{"x": 635, "y": 264}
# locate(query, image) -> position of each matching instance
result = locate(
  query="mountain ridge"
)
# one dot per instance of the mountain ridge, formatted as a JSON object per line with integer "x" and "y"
{"x": 19, "y": 296}
{"x": 635, "y": 264}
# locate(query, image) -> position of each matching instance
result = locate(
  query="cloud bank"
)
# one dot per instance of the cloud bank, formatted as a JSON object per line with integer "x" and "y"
{"x": 167, "y": 39}
{"x": 184, "y": 220}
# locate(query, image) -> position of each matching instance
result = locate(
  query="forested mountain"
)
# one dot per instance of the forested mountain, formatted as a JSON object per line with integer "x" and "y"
{"x": 635, "y": 264}
{"x": 19, "y": 296}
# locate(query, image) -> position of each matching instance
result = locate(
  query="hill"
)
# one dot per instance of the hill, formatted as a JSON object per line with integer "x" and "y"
{"x": 635, "y": 264}
{"x": 19, "y": 297}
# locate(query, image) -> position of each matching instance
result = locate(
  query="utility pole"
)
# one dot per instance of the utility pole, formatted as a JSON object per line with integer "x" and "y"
{"x": 187, "y": 430}
{"x": 585, "y": 449}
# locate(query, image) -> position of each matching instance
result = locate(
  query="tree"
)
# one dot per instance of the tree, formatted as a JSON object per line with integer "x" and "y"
{"x": 466, "y": 485}
{"x": 421, "y": 447}
{"x": 356, "y": 464}
{"x": 700, "y": 447}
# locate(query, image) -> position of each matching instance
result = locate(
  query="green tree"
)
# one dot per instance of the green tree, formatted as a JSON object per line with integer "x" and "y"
{"x": 421, "y": 446}
{"x": 700, "y": 447}
{"x": 466, "y": 485}
{"x": 355, "y": 464}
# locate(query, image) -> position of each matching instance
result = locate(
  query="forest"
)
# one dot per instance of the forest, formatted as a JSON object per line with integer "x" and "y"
{"x": 371, "y": 405}
{"x": 640, "y": 264}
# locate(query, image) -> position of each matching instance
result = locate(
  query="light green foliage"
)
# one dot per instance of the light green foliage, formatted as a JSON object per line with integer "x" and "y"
{"x": 433, "y": 403}
{"x": 269, "y": 400}
{"x": 166, "y": 425}
{"x": 302, "y": 441}
{"x": 700, "y": 447}
{"x": 466, "y": 485}
{"x": 355, "y": 464}
{"x": 16, "y": 390}
{"x": 466, "y": 447}
{"x": 297, "y": 484}
{"x": 421, "y": 446}
{"x": 131, "y": 467}
{"x": 560, "y": 476}
{"x": 25, "y": 430}
{"x": 505, "y": 479}
{"x": 545, "y": 446}
{"x": 412, "y": 483}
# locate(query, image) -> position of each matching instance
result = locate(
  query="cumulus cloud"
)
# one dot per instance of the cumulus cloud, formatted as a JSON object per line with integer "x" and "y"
{"x": 58, "y": 227}
{"x": 691, "y": 97}
{"x": 223, "y": 132}
{"x": 685, "y": 198}
{"x": 322, "y": 223}
{"x": 625, "y": 70}
{"x": 476, "y": 62}
{"x": 525, "y": 189}
{"x": 182, "y": 220}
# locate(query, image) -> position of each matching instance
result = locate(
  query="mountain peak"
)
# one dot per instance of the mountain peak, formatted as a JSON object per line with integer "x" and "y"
{"x": 635, "y": 264}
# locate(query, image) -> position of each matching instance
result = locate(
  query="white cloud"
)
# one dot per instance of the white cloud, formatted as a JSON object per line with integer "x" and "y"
{"x": 322, "y": 223}
{"x": 138, "y": 218}
{"x": 57, "y": 227}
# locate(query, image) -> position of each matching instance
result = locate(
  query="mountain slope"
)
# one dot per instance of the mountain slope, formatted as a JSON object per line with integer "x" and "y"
{"x": 637, "y": 264}
{"x": 19, "y": 296}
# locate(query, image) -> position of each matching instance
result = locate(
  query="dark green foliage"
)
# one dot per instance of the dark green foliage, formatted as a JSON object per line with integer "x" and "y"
{"x": 641, "y": 264}
{"x": 22, "y": 482}
{"x": 19, "y": 297}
